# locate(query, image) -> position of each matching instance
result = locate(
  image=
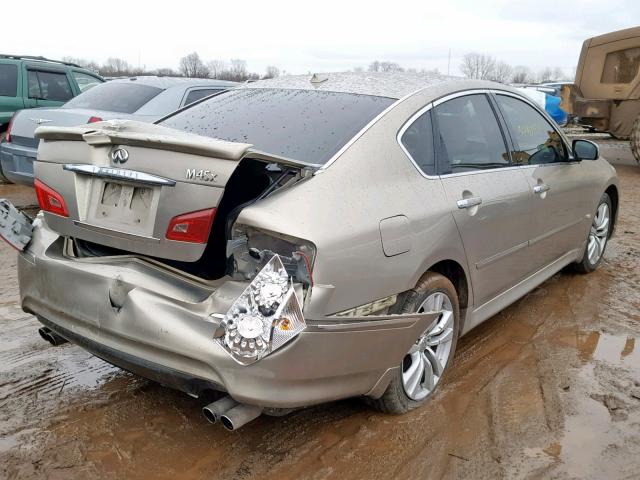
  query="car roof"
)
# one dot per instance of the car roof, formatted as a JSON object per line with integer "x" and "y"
{"x": 168, "y": 82}
{"x": 380, "y": 84}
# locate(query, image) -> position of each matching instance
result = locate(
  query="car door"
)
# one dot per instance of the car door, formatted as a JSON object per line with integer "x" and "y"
{"x": 48, "y": 88}
{"x": 10, "y": 93}
{"x": 490, "y": 199}
{"x": 561, "y": 191}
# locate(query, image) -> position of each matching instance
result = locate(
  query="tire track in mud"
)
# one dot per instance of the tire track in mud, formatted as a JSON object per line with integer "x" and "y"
{"x": 543, "y": 389}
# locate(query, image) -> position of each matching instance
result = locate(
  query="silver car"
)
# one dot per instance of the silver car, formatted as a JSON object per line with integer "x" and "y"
{"x": 302, "y": 240}
{"x": 143, "y": 98}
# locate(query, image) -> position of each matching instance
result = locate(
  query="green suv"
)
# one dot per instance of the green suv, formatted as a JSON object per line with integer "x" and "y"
{"x": 29, "y": 82}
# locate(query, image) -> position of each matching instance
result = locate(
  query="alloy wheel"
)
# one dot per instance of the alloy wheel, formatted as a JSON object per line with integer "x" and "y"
{"x": 598, "y": 234}
{"x": 424, "y": 364}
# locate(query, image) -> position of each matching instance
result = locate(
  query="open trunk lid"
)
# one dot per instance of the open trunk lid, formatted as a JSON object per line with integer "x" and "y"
{"x": 123, "y": 182}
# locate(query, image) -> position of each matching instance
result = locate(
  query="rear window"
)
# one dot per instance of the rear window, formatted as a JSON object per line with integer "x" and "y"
{"x": 195, "y": 95}
{"x": 621, "y": 66}
{"x": 8, "y": 80}
{"x": 115, "y": 97}
{"x": 305, "y": 125}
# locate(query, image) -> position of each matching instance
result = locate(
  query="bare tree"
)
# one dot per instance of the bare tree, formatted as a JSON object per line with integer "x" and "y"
{"x": 216, "y": 68}
{"x": 166, "y": 72}
{"x": 238, "y": 69}
{"x": 88, "y": 64}
{"x": 192, "y": 66}
{"x": 478, "y": 65}
{"x": 502, "y": 72}
{"x": 385, "y": 66}
{"x": 116, "y": 67}
{"x": 545, "y": 75}
{"x": 521, "y": 74}
{"x": 559, "y": 75}
{"x": 272, "y": 72}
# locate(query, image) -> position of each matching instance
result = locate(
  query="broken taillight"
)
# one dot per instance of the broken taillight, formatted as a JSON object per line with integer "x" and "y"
{"x": 94, "y": 119}
{"x": 191, "y": 227}
{"x": 50, "y": 200}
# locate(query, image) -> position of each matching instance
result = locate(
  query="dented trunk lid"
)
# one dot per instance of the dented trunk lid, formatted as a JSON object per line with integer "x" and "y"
{"x": 124, "y": 181}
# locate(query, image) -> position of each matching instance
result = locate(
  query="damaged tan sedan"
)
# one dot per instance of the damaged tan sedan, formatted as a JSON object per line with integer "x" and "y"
{"x": 306, "y": 239}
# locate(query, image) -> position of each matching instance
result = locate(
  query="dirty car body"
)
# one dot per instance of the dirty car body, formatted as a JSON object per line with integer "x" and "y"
{"x": 266, "y": 256}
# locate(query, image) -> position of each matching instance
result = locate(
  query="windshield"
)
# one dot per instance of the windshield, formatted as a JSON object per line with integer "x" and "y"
{"x": 114, "y": 97}
{"x": 305, "y": 125}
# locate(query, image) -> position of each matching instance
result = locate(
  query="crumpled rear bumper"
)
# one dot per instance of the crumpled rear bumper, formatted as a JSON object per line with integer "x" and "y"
{"x": 163, "y": 331}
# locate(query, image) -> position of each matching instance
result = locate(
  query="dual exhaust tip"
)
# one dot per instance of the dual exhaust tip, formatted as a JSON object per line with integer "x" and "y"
{"x": 230, "y": 413}
{"x": 52, "y": 337}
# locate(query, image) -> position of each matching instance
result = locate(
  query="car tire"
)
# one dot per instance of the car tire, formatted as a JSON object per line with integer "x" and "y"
{"x": 635, "y": 139}
{"x": 3, "y": 179}
{"x": 396, "y": 399}
{"x": 598, "y": 237}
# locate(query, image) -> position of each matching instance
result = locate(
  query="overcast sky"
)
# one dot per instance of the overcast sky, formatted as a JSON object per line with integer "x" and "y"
{"x": 321, "y": 35}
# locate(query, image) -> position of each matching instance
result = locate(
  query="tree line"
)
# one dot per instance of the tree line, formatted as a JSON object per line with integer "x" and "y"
{"x": 485, "y": 67}
{"x": 190, "y": 65}
{"x": 474, "y": 65}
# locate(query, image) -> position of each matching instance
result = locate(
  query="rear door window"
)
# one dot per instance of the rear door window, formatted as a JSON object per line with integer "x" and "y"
{"x": 469, "y": 137}
{"x": 417, "y": 141}
{"x": 8, "y": 80}
{"x": 621, "y": 66}
{"x": 195, "y": 95}
{"x": 535, "y": 140}
{"x": 49, "y": 86}
{"x": 85, "y": 81}
{"x": 121, "y": 97}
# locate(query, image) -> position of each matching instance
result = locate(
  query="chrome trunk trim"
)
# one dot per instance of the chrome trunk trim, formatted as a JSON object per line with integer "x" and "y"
{"x": 119, "y": 174}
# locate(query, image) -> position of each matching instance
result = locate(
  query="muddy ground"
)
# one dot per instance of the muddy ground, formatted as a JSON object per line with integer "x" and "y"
{"x": 548, "y": 388}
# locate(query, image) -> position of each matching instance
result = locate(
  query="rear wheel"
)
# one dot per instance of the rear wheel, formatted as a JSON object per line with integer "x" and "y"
{"x": 598, "y": 236}
{"x": 425, "y": 364}
{"x": 635, "y": 139}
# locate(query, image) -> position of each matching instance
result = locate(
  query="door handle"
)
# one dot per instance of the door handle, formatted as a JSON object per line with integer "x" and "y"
{"x": 541, "y": 188}
{"x": 469, "y": 202}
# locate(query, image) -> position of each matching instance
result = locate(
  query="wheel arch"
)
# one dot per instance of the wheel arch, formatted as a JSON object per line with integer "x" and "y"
{"x": 612, "y": 191}
{"x": 457, "y": 275}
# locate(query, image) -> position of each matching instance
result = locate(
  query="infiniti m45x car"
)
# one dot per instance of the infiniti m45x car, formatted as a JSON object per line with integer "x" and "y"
{"x": 306, "y": 239}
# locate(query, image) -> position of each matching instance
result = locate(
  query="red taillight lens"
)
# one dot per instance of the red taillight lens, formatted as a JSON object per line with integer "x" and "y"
{"x": 191, "y": 227}
{"x": 94, "y": 119}
{"x": 7, "y": 137}
{"x": 50, "y": 200}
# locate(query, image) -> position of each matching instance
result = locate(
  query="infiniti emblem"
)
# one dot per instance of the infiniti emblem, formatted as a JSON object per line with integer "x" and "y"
{"x": 119, "y": 155}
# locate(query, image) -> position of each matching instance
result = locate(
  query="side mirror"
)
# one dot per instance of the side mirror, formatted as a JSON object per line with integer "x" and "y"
{"x": 585, "y": 150}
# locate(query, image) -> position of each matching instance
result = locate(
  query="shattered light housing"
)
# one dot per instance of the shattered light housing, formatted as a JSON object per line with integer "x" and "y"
{"x": 264, "y": 317}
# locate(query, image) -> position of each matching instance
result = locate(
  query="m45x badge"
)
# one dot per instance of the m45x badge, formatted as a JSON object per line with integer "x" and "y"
{"x": 201, "y": 175}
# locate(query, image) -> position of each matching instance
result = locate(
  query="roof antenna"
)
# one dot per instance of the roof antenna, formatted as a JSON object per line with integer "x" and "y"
{"x": 317, "y": 79}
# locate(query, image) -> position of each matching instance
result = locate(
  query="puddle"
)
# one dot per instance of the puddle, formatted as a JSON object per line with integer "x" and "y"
{"x": 594, "y": 429}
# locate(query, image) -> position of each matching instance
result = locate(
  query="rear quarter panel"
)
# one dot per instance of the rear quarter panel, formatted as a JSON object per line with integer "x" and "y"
{"x": 340, "y": 209}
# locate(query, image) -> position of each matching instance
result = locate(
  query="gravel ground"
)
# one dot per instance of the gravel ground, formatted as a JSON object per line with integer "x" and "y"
{"x": 548, "y": 388}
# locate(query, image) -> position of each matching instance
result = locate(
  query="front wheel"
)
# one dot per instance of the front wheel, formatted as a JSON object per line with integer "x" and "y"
{"x": 424, "y": 365}
{"x": 598, "y": 236}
